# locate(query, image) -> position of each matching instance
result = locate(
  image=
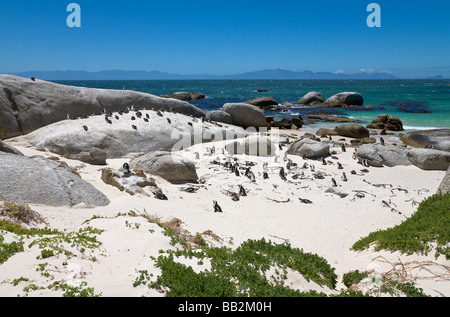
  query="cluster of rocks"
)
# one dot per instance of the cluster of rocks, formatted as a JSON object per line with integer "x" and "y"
{"x": 342, "y": 99}
{"x": 39, "y": 109}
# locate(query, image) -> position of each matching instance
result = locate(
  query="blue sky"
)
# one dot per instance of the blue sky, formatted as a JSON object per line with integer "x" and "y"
{"x": 226, "y": 37}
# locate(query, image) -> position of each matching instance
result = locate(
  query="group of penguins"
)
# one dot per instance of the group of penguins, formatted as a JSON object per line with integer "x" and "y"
{"x": 109, "y": 116}
{"x": 234, "y": 167}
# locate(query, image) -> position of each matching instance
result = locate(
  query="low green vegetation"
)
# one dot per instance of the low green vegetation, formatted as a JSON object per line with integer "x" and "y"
{"x": 257, "y": 268}
{"x": 427, "y": 229}
{"x": 241, "y": 272}
{"x": 51, "y": 243}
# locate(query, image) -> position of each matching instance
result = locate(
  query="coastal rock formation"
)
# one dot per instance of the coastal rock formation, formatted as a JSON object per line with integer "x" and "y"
{"x": 185, "y": 96}
{"x": 285, "y": 123}
{"x": 220, "y": 116}
{"x": 428, "y": 159}
{"x": 386, "y": 122}
{"x": 352, "y": 131}
{"x": 123, "y": 136}
{"x": 253, "y": 145}
{"x": 172, "y": 167}
{"x": 439, "y": 139}
{"x": 263, "y": 102}
{"x": 345, "y": 99}
{"x": 8, "y": 149}
{"x": 38, "y": 180}
{"x": 325, "y": 131}
{"x": 258, "y": 146}
{"x": 27, "y": 105}
{"x": 445, "y": 184}
{"x": 311, "y": 97}
{"x": 95, "y": 156}
{"x": 132, "y": 183}
{"x": 309, "y": 148}
{"x": 330, "y": 118}
{"x": 245, "y": 115}
{"x": 378, "y": 155}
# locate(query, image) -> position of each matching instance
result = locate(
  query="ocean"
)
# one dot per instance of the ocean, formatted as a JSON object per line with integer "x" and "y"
{"x": 420, "y": 104}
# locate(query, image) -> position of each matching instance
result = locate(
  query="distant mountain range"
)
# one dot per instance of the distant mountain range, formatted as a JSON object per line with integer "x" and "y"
{"x": 157, "y": 75}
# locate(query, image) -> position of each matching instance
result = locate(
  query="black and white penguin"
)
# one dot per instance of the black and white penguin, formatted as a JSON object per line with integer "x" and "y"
{"x": 242, "y": 191}
{"x": 217, "y": 208}
{"x": 334, "y": 182}
{"x": 282, "y": 174}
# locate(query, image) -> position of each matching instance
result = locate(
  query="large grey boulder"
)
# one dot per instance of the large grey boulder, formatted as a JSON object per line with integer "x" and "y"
{"x": 118, "y": 138}
{"x": 38, "y": 180}
{"x": 219, "y": 116}
{"x": 309, "y": 148}
{"x": 311, "y": 97}
{"x": 253, "y": 145}
{"x": 352, "y": 131}
{"x": 428, "y": 159}
{"x": 445, "y": 184}
{"x": 246, "y": 115}
{"x": 378, "y": 155}
{"x": 170, "y": 166}
{"x": 439, "y": 139}
{"x": 26, "y": 105}
{"x": 263, "y": 102}
{"x": 386, "y": 122}
{"x": 345, "y": 99}
{"x": 186, "y": 96}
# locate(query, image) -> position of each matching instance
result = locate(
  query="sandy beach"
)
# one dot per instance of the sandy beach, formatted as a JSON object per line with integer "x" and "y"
{"x": 272, "y": 210}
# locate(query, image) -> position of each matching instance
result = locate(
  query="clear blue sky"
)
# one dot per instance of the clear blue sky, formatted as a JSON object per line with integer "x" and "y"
{"x": 226, "y": 37}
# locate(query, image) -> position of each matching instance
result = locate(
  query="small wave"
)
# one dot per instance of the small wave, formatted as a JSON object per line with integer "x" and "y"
{"x": 407, "y": 127}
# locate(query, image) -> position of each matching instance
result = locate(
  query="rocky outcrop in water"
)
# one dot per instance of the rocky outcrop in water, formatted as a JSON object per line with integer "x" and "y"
{"x": 386, "y": 122}
{"x": 185, "y": 96}
{"x": 311, "y": 98}
{"x": 245, "y": 115}
{"x": 345, "y": 99}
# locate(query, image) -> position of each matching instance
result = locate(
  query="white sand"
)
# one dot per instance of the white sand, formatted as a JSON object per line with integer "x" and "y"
{"x": 272, "y": 210}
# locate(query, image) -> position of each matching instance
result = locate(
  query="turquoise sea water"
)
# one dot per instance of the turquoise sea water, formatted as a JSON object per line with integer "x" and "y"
{"x": 420, "y": 104}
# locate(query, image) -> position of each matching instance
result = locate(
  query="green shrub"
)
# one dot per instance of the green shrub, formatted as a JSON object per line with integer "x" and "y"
{"x": 354, "y": 277}
{"x": 429, "y": 224}
{"x": 241, "y": 272}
